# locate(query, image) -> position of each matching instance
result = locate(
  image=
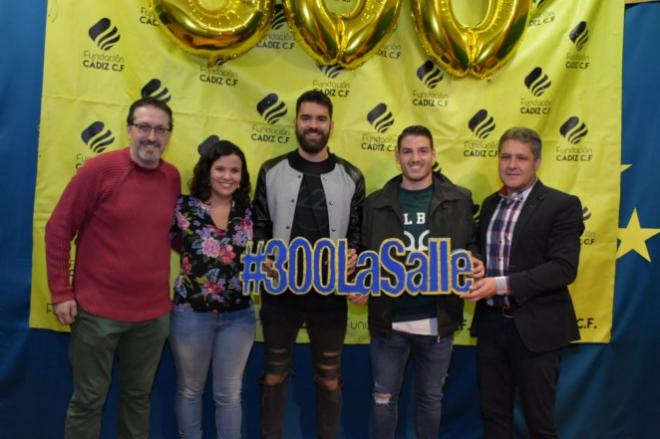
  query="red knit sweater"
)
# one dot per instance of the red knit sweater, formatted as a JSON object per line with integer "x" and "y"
{"x": 120, "y": 214}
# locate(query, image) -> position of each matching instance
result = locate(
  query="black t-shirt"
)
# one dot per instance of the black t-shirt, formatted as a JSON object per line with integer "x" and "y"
{"x": 310, "y": 220}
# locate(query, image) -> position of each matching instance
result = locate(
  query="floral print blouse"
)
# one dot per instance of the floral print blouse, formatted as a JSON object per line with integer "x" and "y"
{"x": 210, "y": 257}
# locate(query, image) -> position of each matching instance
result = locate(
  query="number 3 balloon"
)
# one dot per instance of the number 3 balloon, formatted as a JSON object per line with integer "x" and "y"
{"x": 217, "y": 33}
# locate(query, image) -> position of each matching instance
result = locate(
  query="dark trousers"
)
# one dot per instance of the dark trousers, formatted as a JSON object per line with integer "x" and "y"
{"x": 327, "y": 329}
{"x": 95, "y": 342}
{"x": 504, "y": 365}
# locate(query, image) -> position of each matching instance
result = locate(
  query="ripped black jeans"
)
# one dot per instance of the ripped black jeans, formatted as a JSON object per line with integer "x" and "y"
{"x": 326, "y": 326}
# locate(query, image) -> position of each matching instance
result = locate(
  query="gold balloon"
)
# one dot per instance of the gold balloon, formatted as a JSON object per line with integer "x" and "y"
{"x": 478, "y": 50}
{"x": 220, "y": 33}
{"x": 346, "y": 39}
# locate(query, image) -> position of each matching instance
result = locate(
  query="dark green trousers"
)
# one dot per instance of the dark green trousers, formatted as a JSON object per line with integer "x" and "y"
{"x": 95, "y": 342}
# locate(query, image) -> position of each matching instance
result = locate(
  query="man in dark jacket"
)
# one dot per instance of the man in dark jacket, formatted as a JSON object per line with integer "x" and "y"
{"x": 417, "y": 205}
{"x": 530, "y": 238}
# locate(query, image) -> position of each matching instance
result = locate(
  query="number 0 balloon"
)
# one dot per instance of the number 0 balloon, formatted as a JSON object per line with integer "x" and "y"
{"x": 463, "y": 50}
{"x": 345, "y": 39}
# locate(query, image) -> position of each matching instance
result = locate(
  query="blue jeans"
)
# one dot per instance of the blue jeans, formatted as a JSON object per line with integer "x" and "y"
{"x": 388, "y": 363}
{"x": 224, "y": 341}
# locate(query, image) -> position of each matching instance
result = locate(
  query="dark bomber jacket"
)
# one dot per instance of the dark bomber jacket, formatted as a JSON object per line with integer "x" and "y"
{"x": 451, "y": 216}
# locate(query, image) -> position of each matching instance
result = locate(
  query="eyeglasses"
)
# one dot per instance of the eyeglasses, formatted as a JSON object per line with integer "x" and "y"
{"x": 146, "y": 129}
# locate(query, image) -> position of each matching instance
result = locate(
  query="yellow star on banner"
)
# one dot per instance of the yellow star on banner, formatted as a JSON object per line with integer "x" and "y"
{"x": 625, "y": 166}
{"x": 634, "y": 237}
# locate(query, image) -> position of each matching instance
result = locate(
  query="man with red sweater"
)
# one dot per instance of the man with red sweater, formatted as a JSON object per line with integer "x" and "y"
{"x": 119, "y": 207}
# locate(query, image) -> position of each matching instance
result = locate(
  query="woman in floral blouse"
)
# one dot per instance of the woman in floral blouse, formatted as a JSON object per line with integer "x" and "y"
{"x": 212, "y": 323}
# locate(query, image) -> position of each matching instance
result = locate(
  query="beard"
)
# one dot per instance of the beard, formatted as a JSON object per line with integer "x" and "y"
{"x": 312, "y": 147}
{"x": 149, "y": 151}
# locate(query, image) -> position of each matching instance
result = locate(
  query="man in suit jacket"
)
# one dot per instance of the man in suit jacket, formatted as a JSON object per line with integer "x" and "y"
{"x": 530, "y": 239}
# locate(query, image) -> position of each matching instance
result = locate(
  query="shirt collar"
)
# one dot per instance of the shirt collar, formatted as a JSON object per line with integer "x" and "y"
{"x": 517, "y": 196}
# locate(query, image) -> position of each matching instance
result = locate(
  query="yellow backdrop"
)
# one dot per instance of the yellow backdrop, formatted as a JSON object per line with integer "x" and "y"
{"x": 564, "y": 80}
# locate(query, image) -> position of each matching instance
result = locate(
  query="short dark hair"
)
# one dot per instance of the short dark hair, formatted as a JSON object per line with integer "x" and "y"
{"x": 414, "y": 130}
{"x": 200, "y": 186}
{"x": 524, "y": 135}
{"x": 316, "y": 96}
{"x": 149, "y": 101}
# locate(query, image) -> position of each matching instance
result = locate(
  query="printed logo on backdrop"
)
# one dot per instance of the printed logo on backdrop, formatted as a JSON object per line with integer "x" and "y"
{"x": 482, "y": 125}
{"x": 157, "y": 90}
{"x": 147, "y": 16}
{"x": 381, "y": 120}
{"x": 331, "y": 72}
{"x": 206, "y": 143}
{"x": 579, "y": 35}
{"x": 573, "y": 131}
{"x": 271, "y": 109}
{"x": 218, "y": 75}
{"x": 333, "y": 87}
{"x": 280, "y": 38}
{"x": 576, "y": 58}
{"x": 104, "y": 34}
{"x": 105, "y": 37}
{"x": 586, "y": 323}
{"x": 537, "y": 83}
{"x": 279, "y": 18}
{"x": 390, "y": 51}
{"x": 539, "y": 15}
{"x": 589, "y": 236}
{"x": 430, "y": 75}
{"x": 97, "y": 138}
